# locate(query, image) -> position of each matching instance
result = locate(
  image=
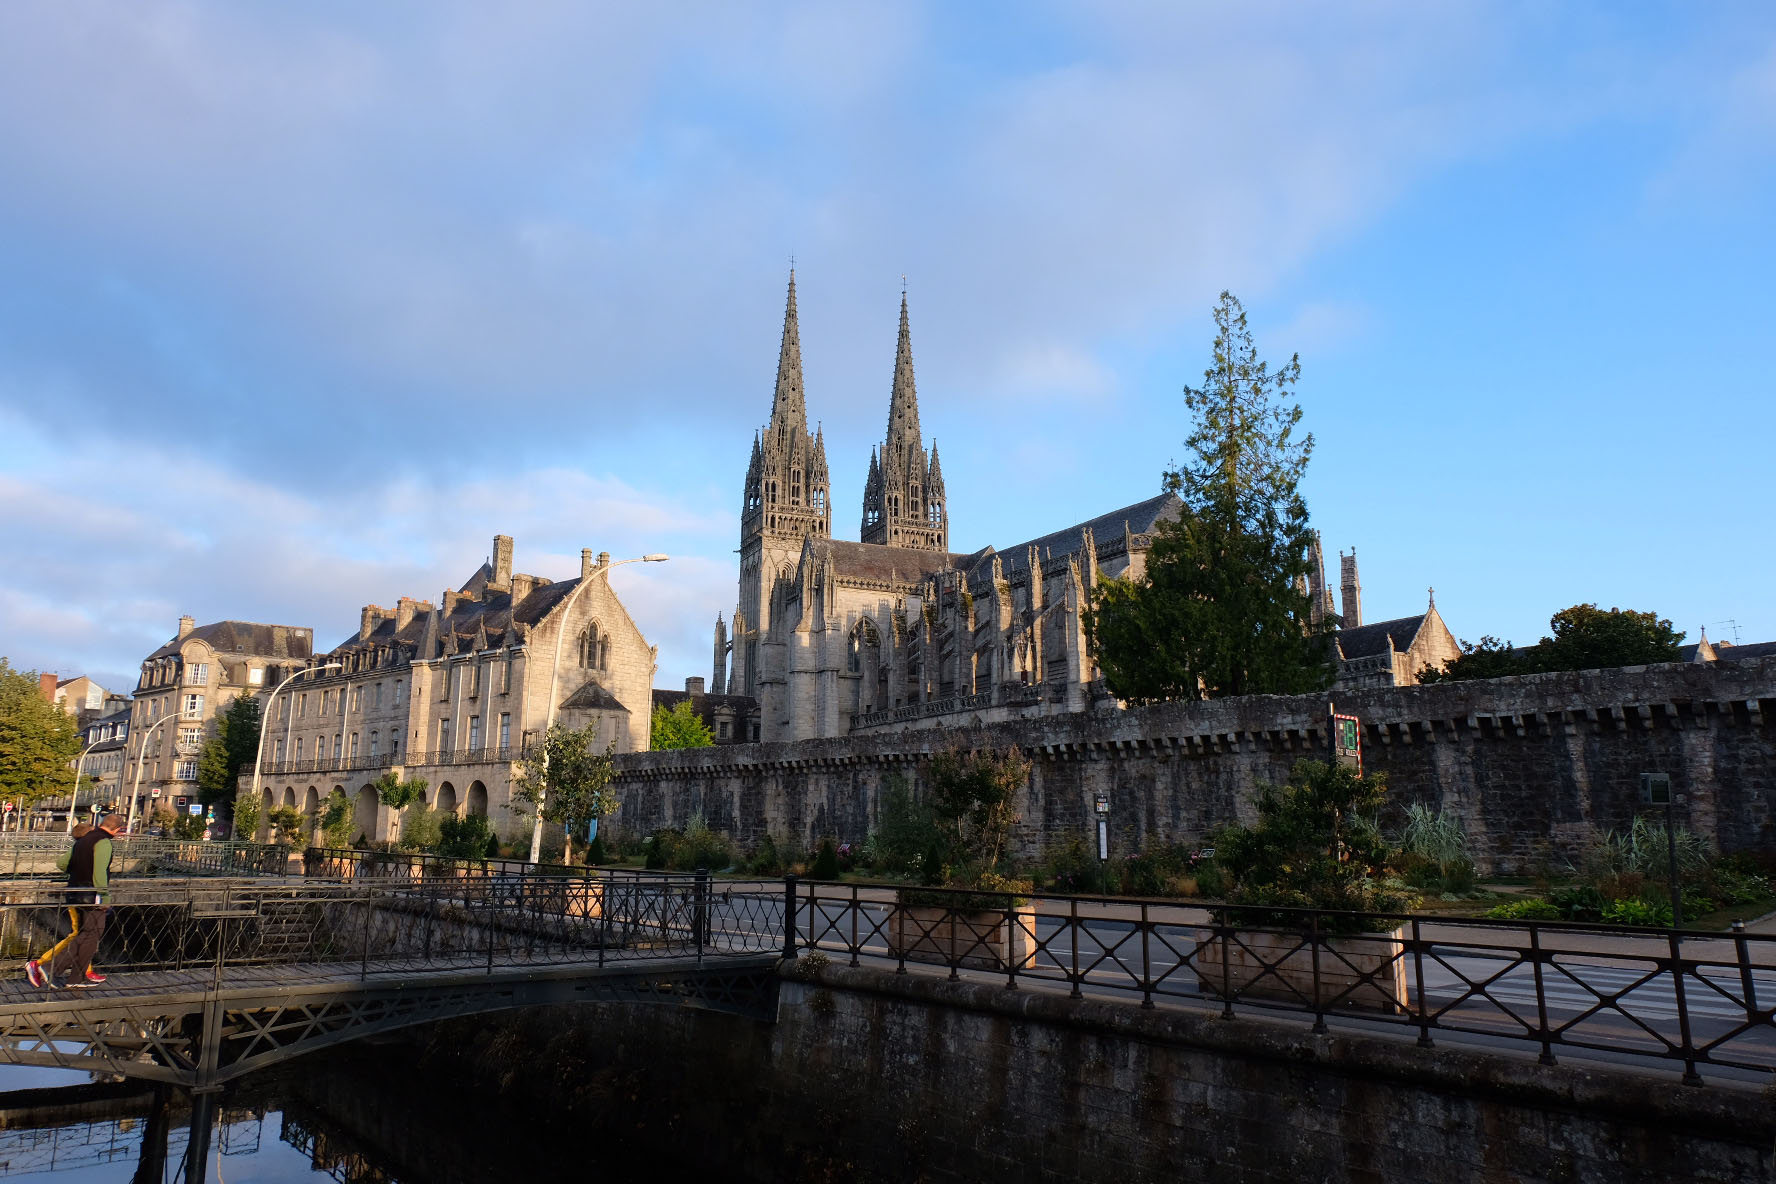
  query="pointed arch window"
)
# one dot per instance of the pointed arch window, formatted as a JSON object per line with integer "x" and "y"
{"x": 594, "y": 647}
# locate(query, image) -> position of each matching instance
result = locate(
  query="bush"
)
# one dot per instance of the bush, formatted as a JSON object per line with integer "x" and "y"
{"x": 1525, "y": 910}
{"x": 1736, "y": 886}
{"x": 1697, "y": 906}
{"x": 468, "y": 837}
{"x": 1315, "y": 845}
{"x": 421, "y": 828}
{"x": 1075, "y": 868}
{"x": 1582, "y": 903}
{"x": 765, "y": 859}
{"x": 1643, "y": 913}
{"x": 704, "y": 849}
{"x": 904, "y": 831}
{"x": 595, "y": 852}
{"x": 826, "y": 862}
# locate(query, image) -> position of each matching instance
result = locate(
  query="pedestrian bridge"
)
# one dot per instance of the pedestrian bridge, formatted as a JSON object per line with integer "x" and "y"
{"x": 213, "y": 978}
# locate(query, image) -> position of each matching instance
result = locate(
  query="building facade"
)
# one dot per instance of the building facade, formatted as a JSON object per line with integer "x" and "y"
{"x": 455, "y": 692}
{"x": 184, "y": 686}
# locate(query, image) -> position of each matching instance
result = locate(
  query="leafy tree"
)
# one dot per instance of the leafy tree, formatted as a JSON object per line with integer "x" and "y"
{"x": 421, "y": 828}
{"x": 468, "y": 837}
{"x": 568, "y": 778}
{"x": 230, "y": 750}
{"x": 398, "y": 794}
{"x": 1487, "y": 658}
{"x": 1585, "y": 637}
{"x": 1316, "y": 844}
{"x": 1222, "y": 610}
{"x": 1588, "y": 638}
{"x": 975, "y": 793}
{"x": 679, "y": 728}
{"x": 247, "y": 807}
{"x": 286, "y": 822}
{"x": 336, "y": 819}
{"x": 38, "y": 741}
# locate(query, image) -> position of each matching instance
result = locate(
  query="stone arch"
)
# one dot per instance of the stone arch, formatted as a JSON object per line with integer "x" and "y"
{"x": 267, "y": 803}
{"x": 311, "y": 804}
{"x": 290, "y": 797}
{"x": 477, "y": 799}
{"x": 367, "y": 813}
{"x": 446, "y": 800}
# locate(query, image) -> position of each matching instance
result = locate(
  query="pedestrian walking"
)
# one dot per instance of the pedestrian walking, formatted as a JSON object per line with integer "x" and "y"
{"x": 34, "y": 968}
{"x": 89, "y": 896}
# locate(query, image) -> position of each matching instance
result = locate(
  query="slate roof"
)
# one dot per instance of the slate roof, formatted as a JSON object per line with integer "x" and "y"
{"x": 1725, "y": 652}
{"x": 887, "y": 565}
{"x": 1366, "y": 641}
{"x": 246, "y": 637}
{"x": 593, "y": 697}
{"x": 1140, "y": 518}
{"x": 494, "y": 611}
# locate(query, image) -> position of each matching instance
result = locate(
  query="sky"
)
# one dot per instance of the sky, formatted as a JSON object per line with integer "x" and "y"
{"x": 301, "y": 304}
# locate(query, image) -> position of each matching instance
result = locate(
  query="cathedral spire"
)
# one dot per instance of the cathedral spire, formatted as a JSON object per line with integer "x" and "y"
{"x": 903, "y": 404}
{"x": 789, "y": 410}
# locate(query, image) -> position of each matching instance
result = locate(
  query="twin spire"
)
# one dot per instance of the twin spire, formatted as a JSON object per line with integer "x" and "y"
{"x": 903, "y": 497}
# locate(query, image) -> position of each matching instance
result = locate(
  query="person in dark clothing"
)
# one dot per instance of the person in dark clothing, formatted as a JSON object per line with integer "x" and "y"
{"x": 34, "y": 968}
{"x": 89, "y": 894}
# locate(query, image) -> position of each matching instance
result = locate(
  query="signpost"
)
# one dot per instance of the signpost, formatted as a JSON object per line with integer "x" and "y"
{"x": 1346, "y": 739}
{"x": 1102, "y": 805}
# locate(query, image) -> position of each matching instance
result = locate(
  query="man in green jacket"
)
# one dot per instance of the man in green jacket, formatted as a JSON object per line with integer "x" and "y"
{"x": 89, "y": 895}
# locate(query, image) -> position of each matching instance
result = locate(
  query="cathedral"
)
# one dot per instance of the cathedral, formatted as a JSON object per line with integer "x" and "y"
{"x": 833, "y": 637}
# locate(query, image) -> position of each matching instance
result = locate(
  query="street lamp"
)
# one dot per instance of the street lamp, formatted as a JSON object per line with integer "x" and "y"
{"x": 259, "y": 751}
{"x": 74, "y": 798}
{"x": 141, "y": 757}
{"x": 536, "y": 832}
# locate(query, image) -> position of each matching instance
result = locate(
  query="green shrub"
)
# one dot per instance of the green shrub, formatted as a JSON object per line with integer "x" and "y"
{"x": 826, "y": 862}
{"x": 1073, "y": 867}
{"x": 655, "y": 849}
{"x": 467, "y": 837}
{"x": 1525, "y": 910}
{"x": 765, "y": 859}
{"x": 1580, "y": 903}
{"x": 1697, "y": 906}
{"x": 904, "y": 831}
{"x": 421, "y": 828}
{"x": 595, "y": 852}
{"x": 704, "y": 849}
{"x": 1737, "y": 886}
{"x": 1637, "y": 912}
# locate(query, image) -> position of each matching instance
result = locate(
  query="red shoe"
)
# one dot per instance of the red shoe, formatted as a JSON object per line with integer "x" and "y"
{"x": 94, "y": 977}
{"x": 35, "y": 973}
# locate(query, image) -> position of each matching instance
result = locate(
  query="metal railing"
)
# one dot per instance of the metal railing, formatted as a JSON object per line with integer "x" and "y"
{"x": 314, "y": 930}
{"x": 1693, "y": 998}
{"x": 33, "y": 855}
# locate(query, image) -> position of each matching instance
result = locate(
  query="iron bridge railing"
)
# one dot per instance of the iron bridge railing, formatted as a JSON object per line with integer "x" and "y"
{"x": 1693, "y": 998}
{"x": 34, "y": 854}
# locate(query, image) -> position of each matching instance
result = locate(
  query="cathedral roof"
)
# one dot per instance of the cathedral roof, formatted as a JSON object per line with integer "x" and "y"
{"x": 1365, "y": 641}
{"x": 1140, "y": 518}
{"x": 880, "y": 564}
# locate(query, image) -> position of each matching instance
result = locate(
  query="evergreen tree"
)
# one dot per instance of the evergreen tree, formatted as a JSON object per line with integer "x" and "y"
{"x": 230, "y": 750}
{"x": 678, "y": 728}
{"x": 1585, "y": 637}
{"x": 1223, "y": 610}
{"x": 38, "y": 741}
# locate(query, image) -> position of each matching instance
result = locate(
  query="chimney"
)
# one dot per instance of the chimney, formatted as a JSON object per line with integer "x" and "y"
{"x": 502, "y": 562}
{"x": 1352, "y": 590}
{"x": 522, "y": 586}
{"x": 585, "y": 563}
{"x": 404, "y": 609}
{"x": 369, "y": 619}
{"x": 693, "y": 686}
{"x": 46, "y": 684}
{"x": 186, "y": 625}
{"x": 450, "y": 599}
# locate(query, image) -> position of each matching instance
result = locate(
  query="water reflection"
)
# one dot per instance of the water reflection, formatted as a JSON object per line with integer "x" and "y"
{"x": 335, "y": 1120}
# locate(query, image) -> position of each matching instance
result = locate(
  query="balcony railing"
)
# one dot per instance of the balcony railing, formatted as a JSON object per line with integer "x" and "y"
{"x": 1004, "y": 695}
{"x": 385, "y": 760}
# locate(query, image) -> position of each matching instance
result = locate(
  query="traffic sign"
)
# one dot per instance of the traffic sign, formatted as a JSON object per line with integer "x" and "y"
{"x": 9, "y": 807}
{"x": 196, "y": 809}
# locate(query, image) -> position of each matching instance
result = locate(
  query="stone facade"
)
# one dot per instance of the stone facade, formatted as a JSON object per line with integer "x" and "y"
{"x": 1529, "y": 765}
{"x": 897, "y": 631}
{"x": 194, "y": 677}
{"x": 454, "y": 692}
{"x": 731, "y": 719}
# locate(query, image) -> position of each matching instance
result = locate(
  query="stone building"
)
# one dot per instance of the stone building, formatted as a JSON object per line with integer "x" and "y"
{"x": 454, "y": 692}
{"x": 731, "y": 719}
{"x": 896, "y": 631}
{"x": 104, "y": 740}
{"x": 184, "y": 685}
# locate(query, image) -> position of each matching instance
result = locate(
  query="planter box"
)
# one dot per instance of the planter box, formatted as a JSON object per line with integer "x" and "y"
{"x": 1280, "y": 965}
{"x": 982, "y": 940}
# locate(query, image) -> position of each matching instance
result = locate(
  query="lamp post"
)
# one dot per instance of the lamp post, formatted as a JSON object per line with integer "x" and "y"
{"x": 259, "y": 750}
{"x": 536, "y": 832}
{"x": 74, "y": 797}
{"x": 141, "y": 756}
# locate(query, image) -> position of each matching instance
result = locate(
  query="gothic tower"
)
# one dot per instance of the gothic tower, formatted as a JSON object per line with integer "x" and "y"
{"x": 784, "y": 501}
{"x": 903, "y": 496}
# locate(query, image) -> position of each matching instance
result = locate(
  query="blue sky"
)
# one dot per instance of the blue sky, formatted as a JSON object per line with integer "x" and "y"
{"x": 299, "y": 305}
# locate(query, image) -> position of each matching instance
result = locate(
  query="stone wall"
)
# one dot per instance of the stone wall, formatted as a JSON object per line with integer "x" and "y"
{"x": 1530, "y": 765}
{"x": 870, "y": 1076}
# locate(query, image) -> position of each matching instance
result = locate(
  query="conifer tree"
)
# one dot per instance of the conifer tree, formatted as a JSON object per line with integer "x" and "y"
{"x": 1222, "y": 610}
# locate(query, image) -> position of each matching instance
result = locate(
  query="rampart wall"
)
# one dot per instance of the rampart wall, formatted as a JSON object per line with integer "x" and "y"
{"x": 1530, "y": 765}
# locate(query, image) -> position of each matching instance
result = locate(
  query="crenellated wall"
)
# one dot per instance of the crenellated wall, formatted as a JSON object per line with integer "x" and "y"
{"x": 1529, "y": 764}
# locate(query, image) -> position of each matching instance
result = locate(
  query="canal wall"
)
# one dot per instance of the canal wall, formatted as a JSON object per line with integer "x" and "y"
{"x": 870, "y": 1076}
{"x": 1530, "y": 765}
